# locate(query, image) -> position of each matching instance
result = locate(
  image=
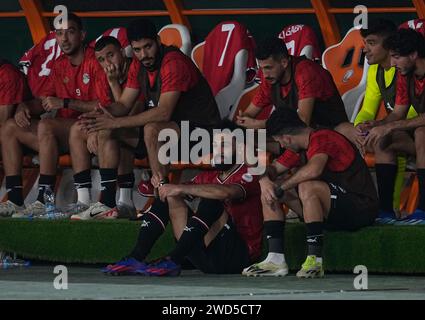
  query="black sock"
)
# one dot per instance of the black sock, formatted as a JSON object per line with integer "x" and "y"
{"x": 274, "y": 234}
{"x": 385, "y": 175}
{"x": 14, "y": 189}
{"x": 314, "y": 238}
{"x": 153, "y": 225}
{"x": 108, "y": 182}
{"x": 83, "y": 179}
{"x": 209, "y": 211}
{"x": 43, "y": 182}
{"x": 421, "y": 179}
{"x": 126, "y": 180}
{"x": 193, "y": 233}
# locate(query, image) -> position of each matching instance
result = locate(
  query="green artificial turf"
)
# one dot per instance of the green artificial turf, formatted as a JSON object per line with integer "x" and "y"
{"x": 75, "y": 241}
{"x": 386, "y": 249}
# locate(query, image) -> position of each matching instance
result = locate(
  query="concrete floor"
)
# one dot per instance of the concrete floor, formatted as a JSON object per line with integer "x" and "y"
{"x": 87, "y": 282}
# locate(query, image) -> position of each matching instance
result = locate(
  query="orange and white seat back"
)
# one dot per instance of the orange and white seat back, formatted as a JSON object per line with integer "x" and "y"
{"x": 229, "y": 51}
{"x": 176, "y": 35}
{"x": 353, "y": 99}
{"x": 345, "y": 60}
{"x": 37, "y": 62}
{"x": 301, "y": 40}
{"x": 197, "y": 55}
{"x": 244, "y": 101}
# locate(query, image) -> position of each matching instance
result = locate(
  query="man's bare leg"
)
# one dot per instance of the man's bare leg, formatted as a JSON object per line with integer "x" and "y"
{"x": 178, "y": 215}
{"x": 14, "y": 137}
{"x": 109, "y": 148}
{"x": 53, "y": 138}
{"x": 6, "y": 112}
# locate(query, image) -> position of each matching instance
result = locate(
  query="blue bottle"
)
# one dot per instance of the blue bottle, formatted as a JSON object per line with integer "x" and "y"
{"x": 49, "y": 203}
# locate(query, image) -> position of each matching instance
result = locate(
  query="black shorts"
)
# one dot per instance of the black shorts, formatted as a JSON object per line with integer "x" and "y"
{"x": 226, "y": 254}
{"x": 350, "y": 211}
{"x": 140, "y": 151}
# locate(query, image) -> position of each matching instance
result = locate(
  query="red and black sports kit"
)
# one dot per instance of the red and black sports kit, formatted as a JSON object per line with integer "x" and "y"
{"x": 85, "y": 82}
{"x": 410, "y": 91}
{"x": 239, "y": 242}
{"x": 13, "y": 86}
{"x": 308, "y": 80}
{"x": 176, "y": 72}
{"x": 354, "y": 202}
{"x": 37, "y": 63}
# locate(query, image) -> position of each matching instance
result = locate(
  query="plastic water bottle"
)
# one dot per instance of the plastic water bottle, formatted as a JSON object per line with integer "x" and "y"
{"x": 9, "y": 263}
{"x": 49, "y": 203}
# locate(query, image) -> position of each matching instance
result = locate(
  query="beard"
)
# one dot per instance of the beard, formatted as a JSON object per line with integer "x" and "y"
{"x": 156, "y": 64}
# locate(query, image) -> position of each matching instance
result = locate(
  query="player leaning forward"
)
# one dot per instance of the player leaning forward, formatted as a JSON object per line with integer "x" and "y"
{"x": 331, "y": 188}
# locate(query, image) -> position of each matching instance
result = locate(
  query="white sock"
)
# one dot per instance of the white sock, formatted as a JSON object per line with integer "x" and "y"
{"x": 84, "y": 195}
{"x": 126, "y": 196}
{"x": 319, "y": 259}
{"x": 276, "y": 258}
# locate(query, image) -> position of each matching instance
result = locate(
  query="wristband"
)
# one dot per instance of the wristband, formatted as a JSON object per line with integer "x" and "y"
{"x": 164, "y": 181}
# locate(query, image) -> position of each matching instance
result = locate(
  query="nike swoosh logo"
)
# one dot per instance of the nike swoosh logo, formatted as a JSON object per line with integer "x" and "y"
{"x": 95, "y": 214}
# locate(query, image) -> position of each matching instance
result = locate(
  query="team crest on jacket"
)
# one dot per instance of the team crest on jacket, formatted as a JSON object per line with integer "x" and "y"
{"x": 86, "y": 78}
{"x": 65, "y": 80}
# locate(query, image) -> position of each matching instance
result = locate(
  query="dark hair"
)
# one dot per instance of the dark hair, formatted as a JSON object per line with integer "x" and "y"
{"x": 405, "y": 42}
{"x": 271, "y": 47}
{"x": 380, "y": 27}
{"x": 284, "y": 121}
{"x": 141, "y": 29}
{"x": 106, "y": 40}
{"x": 73, "y": 17}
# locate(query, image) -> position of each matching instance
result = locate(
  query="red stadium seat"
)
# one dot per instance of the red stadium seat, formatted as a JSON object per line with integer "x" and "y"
{"x": 415, "y": 24}
{"x": 38, "y": 61}
{"x": 121, "y": 34}
{"x": 229, "y": 50}
{"x": 301, "y": 40}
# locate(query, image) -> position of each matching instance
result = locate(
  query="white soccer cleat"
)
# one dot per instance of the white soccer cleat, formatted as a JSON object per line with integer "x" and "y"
{"x": 8, "y": 209}
{"x": 34, "y": 209}
{"x": 311, "y": 268}
{"x": 75, "y": 208}
{"x": 266, "y": 269}
{"x": 97, "y": 210}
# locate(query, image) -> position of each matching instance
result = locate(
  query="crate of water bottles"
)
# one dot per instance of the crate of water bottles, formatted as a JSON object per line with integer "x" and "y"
{"x": 7, "y": 262}
{"x": 51, "y": 212}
